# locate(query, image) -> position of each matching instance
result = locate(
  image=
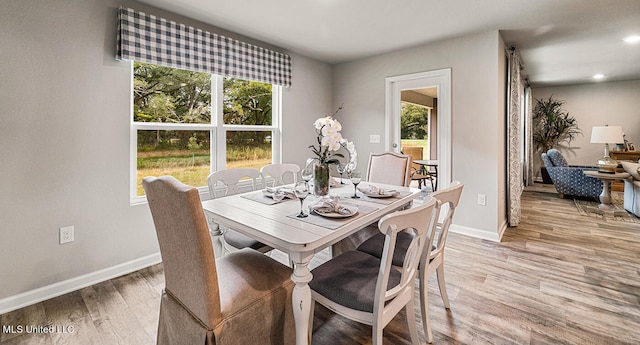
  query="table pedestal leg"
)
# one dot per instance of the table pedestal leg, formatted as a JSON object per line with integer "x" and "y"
{"x": 606, "y": 207}
{"x": 302, "y": 299}
{"x": 605, "y": 196}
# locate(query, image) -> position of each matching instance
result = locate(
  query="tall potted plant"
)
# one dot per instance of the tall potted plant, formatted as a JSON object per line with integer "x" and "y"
{"x": 552, "y": 126}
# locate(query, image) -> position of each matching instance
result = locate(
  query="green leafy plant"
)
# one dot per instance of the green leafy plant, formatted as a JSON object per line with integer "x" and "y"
{"x": 552, "y": 125}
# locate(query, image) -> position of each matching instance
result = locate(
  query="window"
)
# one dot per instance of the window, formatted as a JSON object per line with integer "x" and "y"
{"x": 187, "y": 124}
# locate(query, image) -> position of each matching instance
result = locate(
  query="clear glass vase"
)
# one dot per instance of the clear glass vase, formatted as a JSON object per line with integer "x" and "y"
{"x": 321, "y": 179}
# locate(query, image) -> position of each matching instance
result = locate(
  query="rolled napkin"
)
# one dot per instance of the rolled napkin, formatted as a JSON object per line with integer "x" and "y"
{"x": 288, "y": 192}
{"x": 330, "y": 205}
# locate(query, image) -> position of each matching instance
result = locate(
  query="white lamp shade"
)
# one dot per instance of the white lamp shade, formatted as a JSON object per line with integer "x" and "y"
{"x": 607, "y": 135}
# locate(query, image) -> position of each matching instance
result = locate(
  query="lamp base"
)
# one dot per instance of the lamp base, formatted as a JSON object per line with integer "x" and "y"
{"x": 607, "y": 165}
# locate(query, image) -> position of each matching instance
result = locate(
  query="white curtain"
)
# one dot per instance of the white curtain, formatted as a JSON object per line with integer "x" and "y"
{"x": 515, "y": 157}
{"x": 529, "y": 173}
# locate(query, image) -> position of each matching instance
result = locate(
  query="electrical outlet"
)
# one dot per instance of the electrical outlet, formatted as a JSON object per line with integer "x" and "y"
{"x": 374, "y": 139}
{"x": 66, "y": 234}
{"x": 482, "y": 199}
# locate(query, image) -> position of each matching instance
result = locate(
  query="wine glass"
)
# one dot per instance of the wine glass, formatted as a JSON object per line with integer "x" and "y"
{"x": 341, "y": 168}
{"x": 307, "y": 173}
{"x": 302, "y": 191}
{"x": 355, "y": 179}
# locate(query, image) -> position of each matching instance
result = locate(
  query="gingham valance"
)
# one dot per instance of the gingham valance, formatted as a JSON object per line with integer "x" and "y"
{"x": 147, "y": 38}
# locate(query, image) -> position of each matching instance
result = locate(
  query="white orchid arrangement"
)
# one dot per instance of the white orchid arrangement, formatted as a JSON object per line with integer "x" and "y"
{"x": 330, "y": 141}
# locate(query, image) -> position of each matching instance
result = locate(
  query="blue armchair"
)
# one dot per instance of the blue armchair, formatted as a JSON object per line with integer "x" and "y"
{"x": 569, "y": 179}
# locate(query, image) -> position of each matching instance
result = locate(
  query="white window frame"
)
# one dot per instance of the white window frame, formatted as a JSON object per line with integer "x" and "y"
{"x": 217, "y": 129}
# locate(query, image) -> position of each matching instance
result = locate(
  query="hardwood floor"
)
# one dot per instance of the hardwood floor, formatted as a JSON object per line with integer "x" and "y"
{"x": 558, "y": 278}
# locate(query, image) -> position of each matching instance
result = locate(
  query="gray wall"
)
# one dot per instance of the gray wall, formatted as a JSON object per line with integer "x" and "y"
{"x": 64, "y": 140}
{"x": 309, "y": 98}
{"x": 64, "y": 134}
{"x": 597, "y": 104}
{"x": 478, "y": 116}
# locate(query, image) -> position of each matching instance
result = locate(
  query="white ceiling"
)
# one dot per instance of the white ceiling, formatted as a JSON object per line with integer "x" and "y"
{"x": 560, "y": 41}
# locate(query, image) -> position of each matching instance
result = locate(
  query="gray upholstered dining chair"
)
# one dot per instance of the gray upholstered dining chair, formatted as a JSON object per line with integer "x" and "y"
{"x": 367, "y": 289}
{"x": 433, "y": 256}
{"x": 229, "y": 182}
{"x": 241, "y": 298}
{"x": 389, "y": 168}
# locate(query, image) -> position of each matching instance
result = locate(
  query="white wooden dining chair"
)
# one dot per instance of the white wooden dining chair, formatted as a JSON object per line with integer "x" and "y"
{"x": 229, "y": 182}
{"x": 278, "y": 172}
{"x": 367, "y": 289}
{"x": 433, "y": 255}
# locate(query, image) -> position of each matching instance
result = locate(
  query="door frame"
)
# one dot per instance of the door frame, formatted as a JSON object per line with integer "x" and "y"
{"x": 441, "y": 79}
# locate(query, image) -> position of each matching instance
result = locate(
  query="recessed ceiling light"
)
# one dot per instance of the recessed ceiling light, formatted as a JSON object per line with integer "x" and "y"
{"x": 632, "y": 39}
{"x": 598, "y": 76}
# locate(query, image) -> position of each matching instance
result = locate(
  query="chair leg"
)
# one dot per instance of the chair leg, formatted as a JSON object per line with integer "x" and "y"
{"x": 411, "y": 320}
{"x": 442, "y": 286}
{"x": 377, "y": 334}
{"x": 424, "y": 305}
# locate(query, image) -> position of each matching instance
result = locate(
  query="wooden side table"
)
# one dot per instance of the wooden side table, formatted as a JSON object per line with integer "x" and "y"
{"x": 606, "y": 207}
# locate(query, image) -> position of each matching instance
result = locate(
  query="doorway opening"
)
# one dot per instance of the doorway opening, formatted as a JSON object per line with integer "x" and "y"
{"x": 418, "y": 121}
{"x": 437, "y": 145}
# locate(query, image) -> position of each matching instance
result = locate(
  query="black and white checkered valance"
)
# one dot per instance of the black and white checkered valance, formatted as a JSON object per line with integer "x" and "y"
{"x": 147, "y": 38}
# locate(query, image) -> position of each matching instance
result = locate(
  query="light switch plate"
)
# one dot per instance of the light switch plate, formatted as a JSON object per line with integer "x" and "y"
{"x": 374, "y": 139}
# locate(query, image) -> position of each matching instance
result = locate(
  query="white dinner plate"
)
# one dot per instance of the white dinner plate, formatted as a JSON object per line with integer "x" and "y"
{"x": 353, "y": 210}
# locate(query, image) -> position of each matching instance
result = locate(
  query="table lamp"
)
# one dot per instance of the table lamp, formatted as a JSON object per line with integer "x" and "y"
{"x": 605, "y": 135}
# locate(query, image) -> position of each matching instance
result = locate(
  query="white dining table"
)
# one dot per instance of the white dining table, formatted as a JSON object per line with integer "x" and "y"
{"x": 277, "y": 226}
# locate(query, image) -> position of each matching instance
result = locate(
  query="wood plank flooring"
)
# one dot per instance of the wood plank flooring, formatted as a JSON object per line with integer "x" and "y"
{"x": 558, "y": 278}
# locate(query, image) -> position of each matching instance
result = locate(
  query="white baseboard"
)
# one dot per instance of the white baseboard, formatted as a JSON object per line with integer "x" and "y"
{"x": 60, "y": 288}
{"x": 473, "y": 232}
